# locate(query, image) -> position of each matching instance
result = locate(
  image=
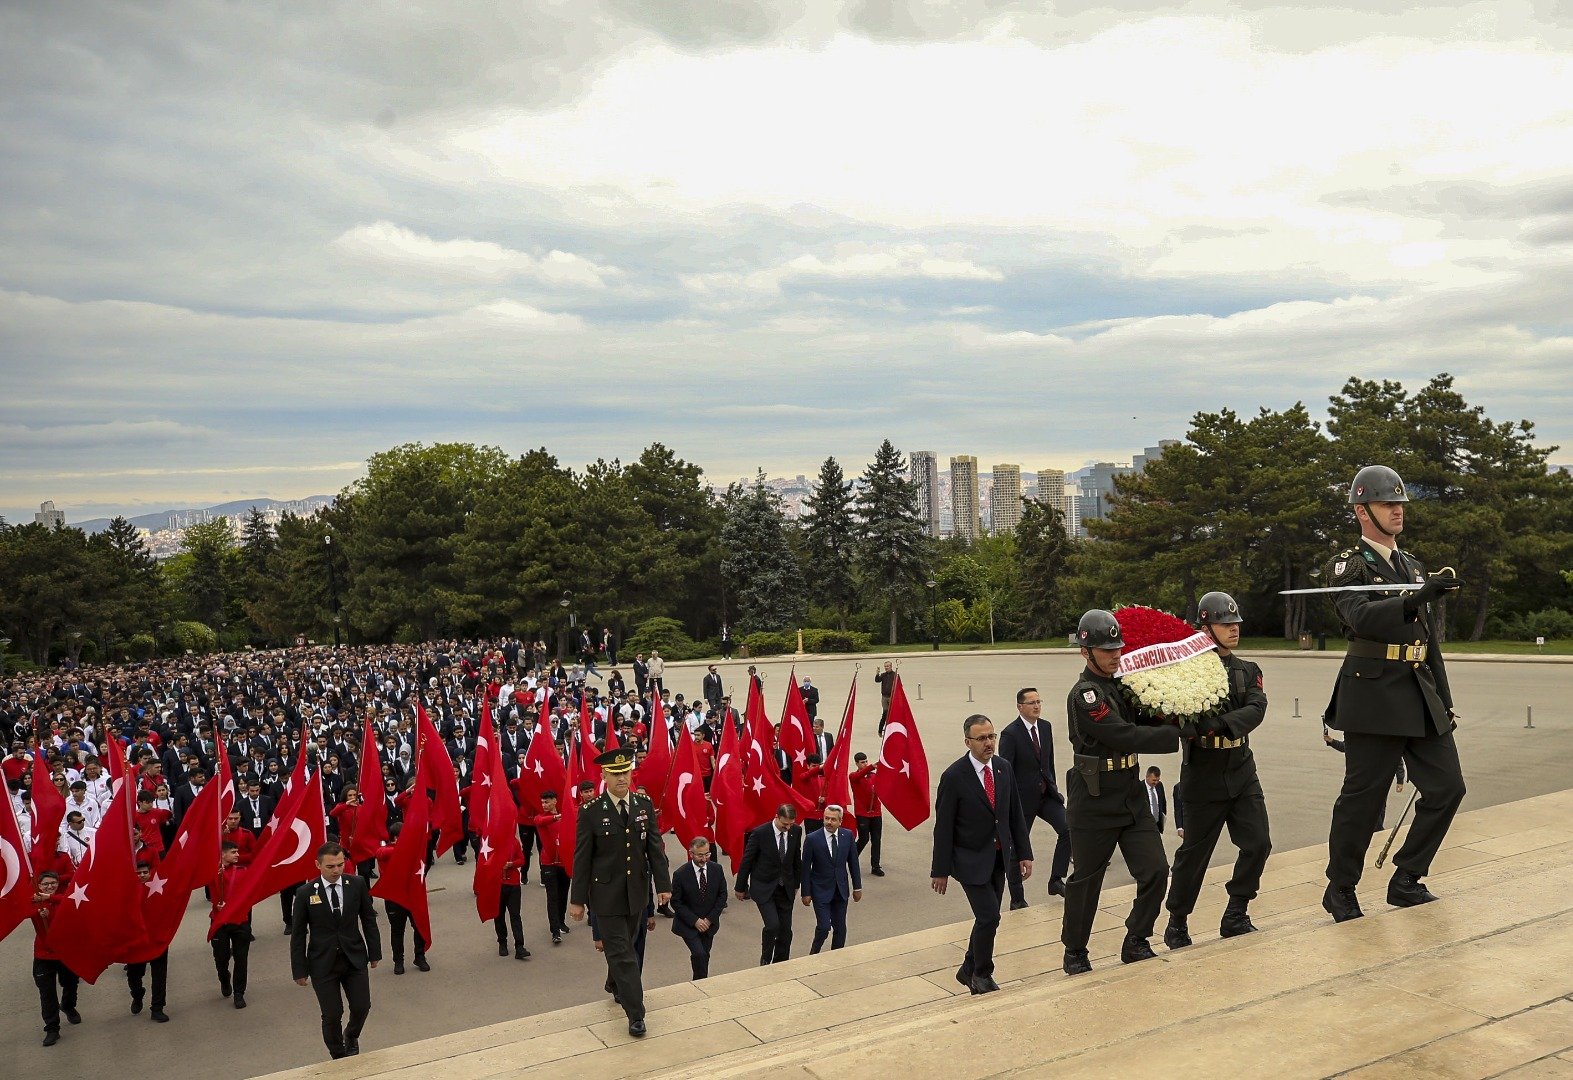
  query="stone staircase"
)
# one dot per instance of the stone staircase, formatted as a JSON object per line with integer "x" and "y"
{"x": 1478, "y": 985}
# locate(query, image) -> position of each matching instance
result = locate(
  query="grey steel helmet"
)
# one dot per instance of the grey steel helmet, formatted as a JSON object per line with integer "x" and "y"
{"x": 1376, "y": 483}
{"x": 1099, "y": 630}
{"x": 1218, "y": 608}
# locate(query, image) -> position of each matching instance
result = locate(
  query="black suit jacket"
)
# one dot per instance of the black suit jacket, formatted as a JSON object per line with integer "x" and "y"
{"x": 966, "y": 827}
{"x": 686, "y": 901}
{"x": 318, "y": 937}
{"x": 1163, "y": 802}
{"x": 761, "y": 872}
{"x": 1034, "y": 773}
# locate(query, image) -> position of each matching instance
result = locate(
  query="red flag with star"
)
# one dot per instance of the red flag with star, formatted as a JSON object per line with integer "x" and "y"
{"x": 902, "y": 779}
{"x": 103, "y": 908}
{"x": 568, "y": 825}
{"x": 763, "y": 788}
{"x": 434, "y": 772}
{"x": 16, "y": 875}
{"x": 797, "y": 730}
{"x": 541, "y": 769}
{"x": 588, "y": 769}
{"x": 653, "y": 771}
{"x": 726, "y": 791}
{"x": 371, "y": 815}
{"x": 49, "y": 810}
{"x": 491, "y": 795}
{"x": 288, "y": 855}
{"x": 687, "y": 809}
{"x": 403, "y": 877}
{"x": 838, "y": 770}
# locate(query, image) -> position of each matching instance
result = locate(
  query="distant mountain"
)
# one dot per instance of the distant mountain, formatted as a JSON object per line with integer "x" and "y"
{"x": 157, "y": 522}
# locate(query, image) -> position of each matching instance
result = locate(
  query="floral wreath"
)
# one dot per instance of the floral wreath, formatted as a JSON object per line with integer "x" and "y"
{"x": 1168, "y": 671}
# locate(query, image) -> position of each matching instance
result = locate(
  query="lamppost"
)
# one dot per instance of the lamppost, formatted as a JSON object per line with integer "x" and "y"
{"x": 566, "y": 603}
{"x": 333, "y": 588}
{"x": 933, "y": 588}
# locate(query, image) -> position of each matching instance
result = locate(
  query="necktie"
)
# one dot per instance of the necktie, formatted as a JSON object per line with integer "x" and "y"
{"x": 622, "y": 809}
{"x": 704, "y": 883}
{"x": 781, "y": 837}
{"x": 988, "y": 785}
{"x": 1037, "y": 746}
{"x": 832, "y": 837}
{"x": 333, "y": 894}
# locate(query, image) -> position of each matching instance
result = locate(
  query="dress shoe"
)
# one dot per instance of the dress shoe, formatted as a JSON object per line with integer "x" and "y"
{"x": 160, "y": 1016}
{"x": 351, "y": 1047}
{"x": 421, "y": 964}
{"x": 240, "y": 999}
{"x": 964, "y": 975}
{"x": 522, "y": 954}
{"x": 223, "y": 986}
{"x": 1341, "y": 903}
{"x": 609, "y": 986}
{"x": 877, "y": 872}
{"x": 51, "y": 1037}
{"x": 666, "y": 910}
{"x": 459, "y": 859}
{"x": 1076, "y": 962}
{"x": 983, "y": 984}
{"x": 136, "y": 1005}
{"x": 1017, "y": 905}
{"x": 1405, "y": 890}
{"x": 1056, "y": 886}
{"x": 1176, "y": 935}
{"x": 1235, "y": 921}
{"x": 398, "y": 967}
{"x": 335, "y": 1054}
{"x": 636, "y": 1028}
{"x": 557, "y": 939}
{"x": 72, "y": 1016}
{"x": 502, "y": 948}
{"x": 1135, "y": 950}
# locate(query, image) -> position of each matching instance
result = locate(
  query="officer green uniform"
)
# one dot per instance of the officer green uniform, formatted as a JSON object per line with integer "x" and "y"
{"x": 616, "y": 854}
{"x": 1219, "y": 787}
{"x": 1106, "y": 806}
{"x": 1393, "y": 703}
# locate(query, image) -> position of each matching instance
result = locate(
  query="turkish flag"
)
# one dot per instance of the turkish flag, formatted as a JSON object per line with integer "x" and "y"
{"x": 163, "y": 906}
{"x": 797, "y": 730}
{"x": 192, "y": 860}
{"x": 494, "y": 799}
{"x": 435, "y": 773}
{"x": 480, "y": 775}
{"x": 726, "y": 791}
{"x": 103, "y": 910}
{"x": 288, "y": 855}
{"x": 588, "y": 769}
{"x": 224, "y": 780}
{"x": 540, "y": 770}
{"x": 763, "y": 788}
{"x": 657, "y": 764}
{"x": 403, "y": 877}
{"x": 838, "y": 770}
{"x": 902, "y": 779}
{"x": 16, "y": 875}
{"x": 568, "y": 824}
{"x": 49, "y": 810}
{"x": 687, "y": 809}
{"x": 114, "y": 761}
{"x": 371, "y": 816}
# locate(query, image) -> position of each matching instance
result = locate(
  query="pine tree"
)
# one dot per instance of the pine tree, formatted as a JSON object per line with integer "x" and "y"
{"x": 757, "y": 561}
{"x": 1043, "y": 551}
{"x": 892, "y": 550}
{"x": 828, "y": 536}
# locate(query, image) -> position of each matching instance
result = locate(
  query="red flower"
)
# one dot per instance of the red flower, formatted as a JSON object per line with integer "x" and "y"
{"x": 1144, "y": 626}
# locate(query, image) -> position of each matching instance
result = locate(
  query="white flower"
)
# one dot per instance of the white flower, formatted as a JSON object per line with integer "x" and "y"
{"x": 1181, "y": 691}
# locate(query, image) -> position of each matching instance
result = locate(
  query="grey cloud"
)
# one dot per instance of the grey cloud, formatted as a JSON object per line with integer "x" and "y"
{"x": 1468, "y": 200}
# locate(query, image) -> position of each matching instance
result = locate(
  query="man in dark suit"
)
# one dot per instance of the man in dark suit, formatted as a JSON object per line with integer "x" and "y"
{"x": 769, "y": 873}
{"x": 712, "y": 688}
{"x": 641, "y": 674}
{"x": 823, "y": 743}
{"x": 1028, "y": 744}
{"x": 1157, "y": 802}
{"x": 698, "y": 898}
{"x": 979, "y": 830}
{"x": 333, "y": 941}
{"x": 830, "y": 856}
{"x": 256, "y": 809}
{"x": 617, "y": 855}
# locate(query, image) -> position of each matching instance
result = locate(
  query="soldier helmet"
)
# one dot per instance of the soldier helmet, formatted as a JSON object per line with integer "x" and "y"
{"x": 1376, "y": 483}
{"x": 1218, "y": 608}
{"x": 1099, "y": 630}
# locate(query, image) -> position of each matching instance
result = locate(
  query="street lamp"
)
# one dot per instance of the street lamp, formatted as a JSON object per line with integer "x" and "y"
{"x": 333, "y": 588}
{"x": 933, "y": 588}
{"x": 566, "y": 603}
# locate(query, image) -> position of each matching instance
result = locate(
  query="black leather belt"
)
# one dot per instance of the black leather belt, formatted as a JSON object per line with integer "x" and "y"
{"x": 1377, "y": 650}
{"x": 1218, "y": 742}
{"x": 1129, "y": 761}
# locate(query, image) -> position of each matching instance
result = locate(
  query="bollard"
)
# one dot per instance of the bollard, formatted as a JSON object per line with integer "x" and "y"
{"x": 1296, "y": 709}
{"x": 969, "y": 693}
{"x": 920, "y": 691}
{"x": 1529, "y": 717}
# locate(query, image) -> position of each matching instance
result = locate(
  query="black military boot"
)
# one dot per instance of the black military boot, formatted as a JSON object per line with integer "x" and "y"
{"x": 1135, "y": 950}
{"x": 1176, "y": 935}
{"x": 1405, "y": 890}
{"x": 1236, "y": 920}
{"x": 1341, "y": 902}
{"x": 1076, "y": 962}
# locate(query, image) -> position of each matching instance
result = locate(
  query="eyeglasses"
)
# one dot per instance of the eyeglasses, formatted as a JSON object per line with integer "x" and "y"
{"x": 982, "y": 738}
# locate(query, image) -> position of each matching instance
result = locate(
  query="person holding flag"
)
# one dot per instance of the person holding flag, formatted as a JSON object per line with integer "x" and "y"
{"x": 57, "y": 984}
{"x": 230, "y": 940}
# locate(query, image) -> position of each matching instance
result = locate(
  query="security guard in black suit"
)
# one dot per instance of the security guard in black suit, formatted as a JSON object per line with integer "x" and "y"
{"x": 616, "y": 855}
{"x": 1219, "y": 787}
{"x": 1106, "y": 803}
{"x": 1391, "y": 700}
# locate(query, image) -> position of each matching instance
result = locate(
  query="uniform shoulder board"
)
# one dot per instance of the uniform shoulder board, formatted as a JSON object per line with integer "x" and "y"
{"x": 1346, "y": 568}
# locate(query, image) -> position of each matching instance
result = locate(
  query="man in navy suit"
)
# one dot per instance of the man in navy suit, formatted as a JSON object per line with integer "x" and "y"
{"x": 698, "y": 898}
{"x": 828, "y": 855}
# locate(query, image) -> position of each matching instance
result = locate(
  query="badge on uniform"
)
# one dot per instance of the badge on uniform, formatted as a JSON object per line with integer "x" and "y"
{"x": 1339, "y": 567}
{"x": 1089, "y": 696}
{"x": 314, "y": 899}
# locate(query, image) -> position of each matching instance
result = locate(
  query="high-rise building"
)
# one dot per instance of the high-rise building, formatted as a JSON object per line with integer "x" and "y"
{"x": 964, "y": 498}
{"x": 923, "y": 467}
{"x": 48, "y": 516}
{"x": 1005, "y": 499}
{"x": 1095, "y": 488}
{"x": 1052, "y": 493}
{"x": 1151, "y": 454}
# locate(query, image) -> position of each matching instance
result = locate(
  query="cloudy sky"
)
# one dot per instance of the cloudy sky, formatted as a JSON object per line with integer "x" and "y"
{"x": 245, "y": 244}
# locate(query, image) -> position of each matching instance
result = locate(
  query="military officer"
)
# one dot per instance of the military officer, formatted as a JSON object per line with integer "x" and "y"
{"x": 1392, "y": 700}
{"x": 1106, "y": 806}
{"x": 617, "y": 853}
{"x": 1218, "y": 786}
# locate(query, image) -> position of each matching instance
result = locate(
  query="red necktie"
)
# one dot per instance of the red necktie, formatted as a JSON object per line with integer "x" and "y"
{"x": 1037, "y": 747}
{"x": 988, "y": 785}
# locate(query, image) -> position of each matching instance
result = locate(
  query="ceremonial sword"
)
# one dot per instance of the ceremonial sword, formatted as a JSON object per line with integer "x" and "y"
{"x": 1446, "y": 571}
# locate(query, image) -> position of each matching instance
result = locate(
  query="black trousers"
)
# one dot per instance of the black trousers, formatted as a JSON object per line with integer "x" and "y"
{"x": 345, "y": 983}
{"x": 57, "y": 985}
{"x": 1052, "y": 811}
{"x": 556, "y": 881}
{"x": 775, "y": 940}
{"x": 985, "y": 903}
{"x": 398, "y": 919}
{"x": 1370, "y": 762}
{"x": 135, "y": 973}
{"x": 232, "y": 946}
{"x": 1246, "y": 817}
{"x": 512, "y": 896}
{"x": 698, "y": 949}
{"x": 870, "y": 831}
{"x": 618, "y": 931}
{"x": 528, "y": 841}
{"x": 287, "y": 905}
{"x": 1093, "y": 848}
{"x": 830, "y": 921}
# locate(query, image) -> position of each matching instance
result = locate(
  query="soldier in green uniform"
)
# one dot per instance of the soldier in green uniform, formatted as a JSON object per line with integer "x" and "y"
{"x": 1219, "y": 787}
{"x": 616, "y": 855}
{"x": 1391, "y": 700}
{"x": 1105, "y": 805}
